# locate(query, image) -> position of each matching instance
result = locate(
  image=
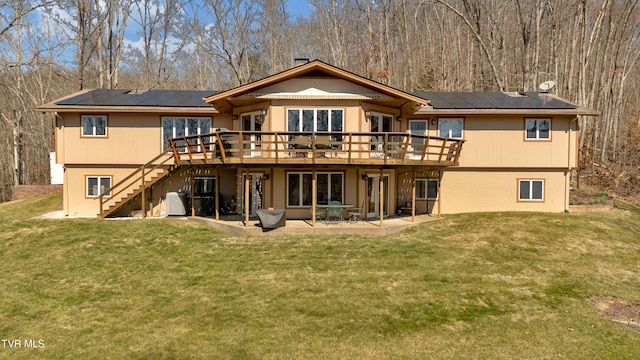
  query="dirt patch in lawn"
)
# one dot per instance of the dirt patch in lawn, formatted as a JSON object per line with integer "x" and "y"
{"x": 583, "y": 197}
{"x": 621, "y": 311}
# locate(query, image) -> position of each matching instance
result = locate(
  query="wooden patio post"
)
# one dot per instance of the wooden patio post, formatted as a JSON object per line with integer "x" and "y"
{"x": 247, "y": 183}
{"x": 193, "y": 206}
{"x": 217, "y": 195}
{"x": 271, "y": 187}
{"x": 143, "y": 196}
{"x": 439, "y": 192}
{"x": 413, "y": 196}
{"x": 381, "y": 192}
{"x": 314, "y": 197}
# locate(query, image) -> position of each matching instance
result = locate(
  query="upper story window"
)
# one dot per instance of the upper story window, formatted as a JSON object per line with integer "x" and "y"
{"x": 538, "y": 129}
{"x": 450, "y": 127}
{"x": 380, "y": 122}
{"x": 94, "y": 125}
{"x": 173, "y": 127}
{"x": 320, "y": 120}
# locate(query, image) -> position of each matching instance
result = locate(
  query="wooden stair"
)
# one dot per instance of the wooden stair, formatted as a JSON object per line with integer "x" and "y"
{"x": 140, "y": 180}
{"x": 130, "y": 195}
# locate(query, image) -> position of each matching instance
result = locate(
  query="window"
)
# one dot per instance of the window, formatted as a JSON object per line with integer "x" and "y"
{"x": 320, "y": 120}
{"x": 450, "y": 127}
{"x": 173, "y": 127}
{"x": 427, "y": 189}
{"x": 94, "y": 125}
{"x": 538, "y": 129}
{"x": 531, "y": 190}
{"x": 329, "y": 187}
{"x": 96, "y": 185}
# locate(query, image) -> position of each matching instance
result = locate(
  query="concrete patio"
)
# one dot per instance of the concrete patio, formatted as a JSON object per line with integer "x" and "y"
{"x": 235, "y": 225}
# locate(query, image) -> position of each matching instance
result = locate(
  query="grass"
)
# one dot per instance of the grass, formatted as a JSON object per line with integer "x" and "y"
{"x": 491, "y": 285}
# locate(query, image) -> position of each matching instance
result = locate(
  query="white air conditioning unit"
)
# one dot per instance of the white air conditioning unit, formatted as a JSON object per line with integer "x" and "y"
{"x": 177, "y": 203}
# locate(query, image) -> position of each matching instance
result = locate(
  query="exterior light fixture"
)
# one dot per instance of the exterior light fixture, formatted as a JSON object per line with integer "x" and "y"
{"x": 365, "y": 177}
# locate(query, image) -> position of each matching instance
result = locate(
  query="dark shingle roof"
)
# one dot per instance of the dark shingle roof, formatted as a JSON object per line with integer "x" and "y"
{"x": 439, "y": 100}
{"x": 493, "y": 100}
{"x": 121, "y": 97}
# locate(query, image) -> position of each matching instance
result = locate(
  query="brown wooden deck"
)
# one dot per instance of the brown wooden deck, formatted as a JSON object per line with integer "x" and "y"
{"x": 315, "y": 148}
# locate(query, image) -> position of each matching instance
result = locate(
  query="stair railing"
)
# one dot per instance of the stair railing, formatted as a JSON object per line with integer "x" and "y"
{"x": 141, "y": 173}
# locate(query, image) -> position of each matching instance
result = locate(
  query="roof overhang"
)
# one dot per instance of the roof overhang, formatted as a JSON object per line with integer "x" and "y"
{"x": 531, "y": 112}
{"x": 126, "y": 109}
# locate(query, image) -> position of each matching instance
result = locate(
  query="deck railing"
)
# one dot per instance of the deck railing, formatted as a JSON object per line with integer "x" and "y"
{"x": 338, "y": 147}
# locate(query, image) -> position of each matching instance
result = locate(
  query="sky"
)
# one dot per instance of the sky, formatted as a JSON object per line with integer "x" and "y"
{"x": 298, "y": 8}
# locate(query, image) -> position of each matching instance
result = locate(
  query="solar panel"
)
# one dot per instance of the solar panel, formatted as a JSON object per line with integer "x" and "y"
{"x": 493, "y": 100}
{"x": 122, "y": 97}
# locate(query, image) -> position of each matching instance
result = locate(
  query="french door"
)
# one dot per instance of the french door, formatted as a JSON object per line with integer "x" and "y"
{"x": 379, "y": 123}
{"x": 374, "y": 196}
{"x": 253, "y": 142}
{"x": 204, "y": 195}
{"x": 256, "y": 186}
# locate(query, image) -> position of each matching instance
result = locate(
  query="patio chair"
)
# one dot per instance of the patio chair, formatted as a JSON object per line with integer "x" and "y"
{"x": 320, "y": 213}
{"x": 354, "y": 214}
{"x": 334, "y": 212}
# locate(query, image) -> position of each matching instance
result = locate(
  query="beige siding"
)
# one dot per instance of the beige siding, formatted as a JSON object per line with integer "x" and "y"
{"x": 493, "y": 141}
{"x": 479, "y": 191}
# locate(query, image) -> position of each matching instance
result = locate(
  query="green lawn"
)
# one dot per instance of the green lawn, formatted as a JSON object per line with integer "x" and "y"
{"x": 506, "y": 285}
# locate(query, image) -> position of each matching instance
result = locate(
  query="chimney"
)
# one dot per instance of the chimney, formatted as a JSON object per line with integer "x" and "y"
{"x": 300, "y": 61}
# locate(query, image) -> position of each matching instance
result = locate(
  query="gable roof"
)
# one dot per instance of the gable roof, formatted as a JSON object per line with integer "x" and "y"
{"x": 315, "y": 68}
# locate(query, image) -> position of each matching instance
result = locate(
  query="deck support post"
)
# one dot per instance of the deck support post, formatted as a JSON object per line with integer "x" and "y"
{"x": 381, "y": 192}
{"x": 439, "y": 192}
{"x": 413, "y": 196}
{"x": 247, "y": 183}
{"x": 217, "y": 195}
{"x": 143, "y": 195}
{"x": 314, "y": 197}
{"x": 193, "y": 206}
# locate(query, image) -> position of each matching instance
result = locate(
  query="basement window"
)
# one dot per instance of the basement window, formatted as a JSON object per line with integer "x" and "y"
{"x": 96, "y": 185}
{"x": 530, "y": 190}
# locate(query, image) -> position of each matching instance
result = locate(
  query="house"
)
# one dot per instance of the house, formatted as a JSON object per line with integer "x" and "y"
{"x": 312, "y": 135}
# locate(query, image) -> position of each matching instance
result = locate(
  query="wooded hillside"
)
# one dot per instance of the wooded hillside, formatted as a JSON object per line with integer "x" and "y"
{"x": 50, "y": 48}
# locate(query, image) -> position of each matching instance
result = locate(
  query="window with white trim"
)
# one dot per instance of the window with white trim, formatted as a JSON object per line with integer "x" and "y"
{"x": 316, "y": 120}
{"x": 450, "y": 127}
{"x": 329, "y": 187}
{"x": 94, "y": 125}
{"x": 538, "y": 129}
{"x": 427, "y": 189}
{"x": 530, "y": 190}
{"x": 96, "y": 185}
{"x": 173, "y": 127}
